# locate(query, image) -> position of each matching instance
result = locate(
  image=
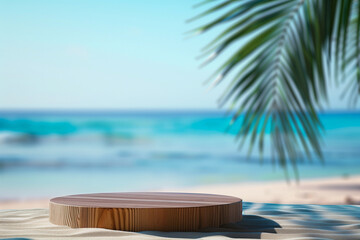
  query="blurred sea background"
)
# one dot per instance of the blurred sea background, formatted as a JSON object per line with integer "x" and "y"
{"x": 50, "y": 153}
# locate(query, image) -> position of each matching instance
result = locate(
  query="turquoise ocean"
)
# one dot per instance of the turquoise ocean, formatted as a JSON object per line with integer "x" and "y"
{"x": 48, "y": 153}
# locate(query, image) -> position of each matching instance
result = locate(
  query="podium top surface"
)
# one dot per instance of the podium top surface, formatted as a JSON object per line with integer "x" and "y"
{"x": 145, "y": 200}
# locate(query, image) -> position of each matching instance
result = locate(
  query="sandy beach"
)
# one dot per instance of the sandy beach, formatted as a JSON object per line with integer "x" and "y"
{"x": 271, "y": 210}
{"x": 323, "y": 208}
{"x": 338, "y": 191}
{"x": 333, "y": 191}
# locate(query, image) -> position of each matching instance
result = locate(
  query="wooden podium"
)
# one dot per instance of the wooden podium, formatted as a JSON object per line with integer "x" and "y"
{"x": 145, "y": 211}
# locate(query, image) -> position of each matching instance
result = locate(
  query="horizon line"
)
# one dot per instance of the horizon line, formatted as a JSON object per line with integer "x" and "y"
{"x": 141, "y": 110}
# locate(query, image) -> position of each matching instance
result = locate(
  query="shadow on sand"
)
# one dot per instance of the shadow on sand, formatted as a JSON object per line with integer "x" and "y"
{"x": 251, "y": 226}
{"x": 15, "y": 238}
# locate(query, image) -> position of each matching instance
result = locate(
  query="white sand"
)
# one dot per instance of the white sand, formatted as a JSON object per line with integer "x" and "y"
{"x": 265, "y": 221}
{"x": 260, "y": 221}
{"x": 314, "y": 191}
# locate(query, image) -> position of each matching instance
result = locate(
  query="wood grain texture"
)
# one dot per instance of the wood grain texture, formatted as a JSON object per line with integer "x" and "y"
{"x": 144, "y": 211}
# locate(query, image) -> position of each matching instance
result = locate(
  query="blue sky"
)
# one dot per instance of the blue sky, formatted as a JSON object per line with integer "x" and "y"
{"x": 102, "y": 54}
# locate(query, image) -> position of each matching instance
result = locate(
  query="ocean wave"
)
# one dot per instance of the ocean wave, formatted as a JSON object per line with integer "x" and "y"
{"x": 124, "y": 159}
{"x": 60, "y": 163}
{"x": 18, "y": 138}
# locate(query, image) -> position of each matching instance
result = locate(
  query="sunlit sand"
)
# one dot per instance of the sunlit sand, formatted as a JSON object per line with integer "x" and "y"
{"x": 299, "y": 214}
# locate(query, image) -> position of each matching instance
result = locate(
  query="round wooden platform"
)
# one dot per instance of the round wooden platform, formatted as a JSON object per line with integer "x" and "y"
{"x": 145, "y": 211}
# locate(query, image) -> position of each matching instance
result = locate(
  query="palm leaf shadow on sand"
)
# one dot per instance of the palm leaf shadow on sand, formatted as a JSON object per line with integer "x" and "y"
{"x": 297, "y": 220}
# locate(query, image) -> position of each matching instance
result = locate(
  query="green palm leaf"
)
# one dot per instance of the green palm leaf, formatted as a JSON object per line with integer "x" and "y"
{"x": 279, "y": 67}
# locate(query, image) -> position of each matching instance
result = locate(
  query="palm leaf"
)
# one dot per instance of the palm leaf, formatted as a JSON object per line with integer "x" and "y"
{"x": 279, "y": 75}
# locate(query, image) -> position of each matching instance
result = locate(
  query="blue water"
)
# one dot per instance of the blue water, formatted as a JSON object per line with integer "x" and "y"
{"x": 45, "y": 154}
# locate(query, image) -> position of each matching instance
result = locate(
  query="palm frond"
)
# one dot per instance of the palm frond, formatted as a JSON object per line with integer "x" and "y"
{"x": 351, "y": 54}
{"x": 278, "y": 76}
